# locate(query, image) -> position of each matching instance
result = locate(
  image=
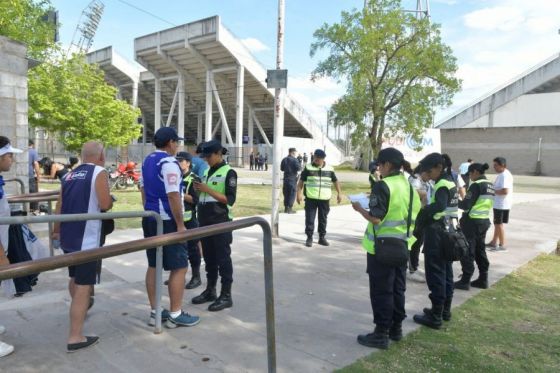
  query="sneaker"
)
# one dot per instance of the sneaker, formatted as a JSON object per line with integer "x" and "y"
{"x": 164, "y": 317}
{"x": 491, "y": 247}
{"x": 184, "y": 319}
{"x": 416, "y": 277}
{"x": 5, "y": 349}
{"x": 90, "y": 341}
{"x": 501, "y": 248}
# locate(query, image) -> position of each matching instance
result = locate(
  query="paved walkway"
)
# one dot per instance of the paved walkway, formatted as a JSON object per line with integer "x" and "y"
{"x": 322, "y": 304}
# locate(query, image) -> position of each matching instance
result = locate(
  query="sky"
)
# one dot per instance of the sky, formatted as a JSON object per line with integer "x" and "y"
{"x": 494, "y": 40}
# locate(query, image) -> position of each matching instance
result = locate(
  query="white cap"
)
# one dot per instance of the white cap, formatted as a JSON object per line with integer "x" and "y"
{"x": 9, "y": 149}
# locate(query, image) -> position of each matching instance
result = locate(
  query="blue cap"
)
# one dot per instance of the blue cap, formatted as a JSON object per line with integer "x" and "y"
{"x": 210, "y": 147}
{"x": 184, "y": 156}
{"x": 319, "y": 153}
{"x": 165, "y": 134}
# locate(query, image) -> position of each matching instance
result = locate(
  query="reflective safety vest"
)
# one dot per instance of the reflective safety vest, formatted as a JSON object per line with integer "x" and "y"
{"x": 485, "y": 201}
{"x": 216, "y": 182}
{"x": 319, "y": 182}
{"x": 395, "y": 222}
{"x": 187, "y": 214}
{"x": 452, "y": 209}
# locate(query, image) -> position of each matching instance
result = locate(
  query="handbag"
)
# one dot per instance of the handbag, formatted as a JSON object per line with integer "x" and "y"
{"x": 390, "y": 251}
{"x": 454, "y": 244}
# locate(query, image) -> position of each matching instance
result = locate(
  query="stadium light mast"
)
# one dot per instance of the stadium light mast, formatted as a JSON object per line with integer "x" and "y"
{"x": 82, "y": 40}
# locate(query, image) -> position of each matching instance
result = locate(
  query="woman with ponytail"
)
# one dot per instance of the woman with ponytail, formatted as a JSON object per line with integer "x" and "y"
{"x": 475, "y": 223}
{"x": 393, "y": 207}
{"x": 441, "y": 211}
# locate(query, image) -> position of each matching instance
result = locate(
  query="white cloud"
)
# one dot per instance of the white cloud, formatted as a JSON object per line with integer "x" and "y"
{"x": 501, "y": 18}
{"x": 495, "y": 45}
{"x": 255, "y": 45}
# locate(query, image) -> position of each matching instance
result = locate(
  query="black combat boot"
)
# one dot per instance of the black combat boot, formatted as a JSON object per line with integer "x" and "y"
{"x": 432, "y": 318}
{"x": 224, "y": 301}
{"x": 309, "y": 241}
{"x": 446, "y": 314}
{"x": 463, "y": 284}
{"x": 481, "y": 282}
{"x": 195, "y": 279}
{"x": 323, "y": 241}
{"x": 395, "y": 333}
{"x": 208, "y": 295}
{"x": 378, "y": 339}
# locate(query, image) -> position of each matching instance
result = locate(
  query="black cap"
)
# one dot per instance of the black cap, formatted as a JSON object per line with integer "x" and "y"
{"x": 319, "y": 153}
{"x": 210, "y": 147}
{"x": 291, "y": 150}
{"x": 430, "y": 161}
{"x": 391, "y": 155}
{"x": 184, "y": 156}
{"x": 165, "y": 134}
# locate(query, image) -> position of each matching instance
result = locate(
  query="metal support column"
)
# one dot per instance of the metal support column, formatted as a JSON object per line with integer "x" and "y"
{"x": 222, "y": 113}
{"x": 278, "y": 125}
{"x": 251, "y": 127}
{"x": 239, "y": 116}
{"x": 181, "y": 113}
{"x": 208, "y": 117}
{"x": 135, "y": 93}
{"x": 199, "y": 128}
{"x": 157, "y": 108}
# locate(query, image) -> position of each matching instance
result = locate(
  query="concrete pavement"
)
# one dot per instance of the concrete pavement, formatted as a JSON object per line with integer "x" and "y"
{"x": 321, "y": 293}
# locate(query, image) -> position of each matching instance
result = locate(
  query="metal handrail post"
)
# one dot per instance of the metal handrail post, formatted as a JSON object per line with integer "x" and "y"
{"x": 22, "y": 189}
{"x": 159, "y": 276}
{"x": 269, "y": 296}
{"x": 49, "y": 211}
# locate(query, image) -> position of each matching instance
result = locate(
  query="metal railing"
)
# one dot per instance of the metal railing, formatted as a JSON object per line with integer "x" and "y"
{"x": 47, "y": 196}
{"x": 19, "y": 181}
{"x": 81, "y": 257}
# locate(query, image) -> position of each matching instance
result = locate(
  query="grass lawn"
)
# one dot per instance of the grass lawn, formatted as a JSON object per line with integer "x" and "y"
{"x": 251, "y": 200}
{"x": 512, "y": 327}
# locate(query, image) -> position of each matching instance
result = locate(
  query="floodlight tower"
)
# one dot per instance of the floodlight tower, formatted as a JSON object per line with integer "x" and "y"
{"x": 423, "y": 9}
{"x": 86, "y": 28}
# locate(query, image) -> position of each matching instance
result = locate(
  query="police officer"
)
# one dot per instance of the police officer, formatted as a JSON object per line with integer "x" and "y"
{"x": 392, "y": 215}
{"x": 315, "y": 182}
{"x": 475, "y": 223}
{"x": 190, "y": 200}
{"x": 441, "y": 211}
{"x": 218, "y": 191}
{"x": 290, "y": 166}
{"x": 160, "y": 189}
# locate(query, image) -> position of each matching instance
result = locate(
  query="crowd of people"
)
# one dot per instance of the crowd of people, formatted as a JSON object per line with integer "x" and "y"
{"x": 408, "y": 209}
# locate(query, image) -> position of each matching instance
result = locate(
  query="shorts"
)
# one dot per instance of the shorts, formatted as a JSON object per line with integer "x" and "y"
{"x": 501, "y": 216}
{"x": 86, "y": 274}
{"x": 174, "y": 256}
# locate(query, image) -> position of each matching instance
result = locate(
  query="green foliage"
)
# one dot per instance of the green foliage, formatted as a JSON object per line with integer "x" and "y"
{"x": 21, "y": 20}
{"x": 71, "y": 99}
{"x": 396, "y": 67}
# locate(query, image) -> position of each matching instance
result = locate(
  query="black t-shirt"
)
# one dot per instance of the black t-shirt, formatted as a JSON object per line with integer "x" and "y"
{"x": 290, "y": 166}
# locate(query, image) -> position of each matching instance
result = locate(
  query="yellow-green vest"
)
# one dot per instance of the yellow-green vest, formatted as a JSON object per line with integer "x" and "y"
{"x": 319, "y": 183}
{"x": 485, "y": 201}
{"x": 452, "y": 210}
{"x": 216, "y": 182}
{"x": 188, "y": 180}
{"x": 395, "y": 222}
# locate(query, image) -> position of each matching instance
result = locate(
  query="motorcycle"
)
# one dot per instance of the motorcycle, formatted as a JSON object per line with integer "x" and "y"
{"x": 123, "y": 176}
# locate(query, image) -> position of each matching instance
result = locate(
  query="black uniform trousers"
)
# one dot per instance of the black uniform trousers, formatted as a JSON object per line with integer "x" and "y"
{"x": 192, "y": 246}
{"x": 313, "y": 207}
{"x": 216, "y": 251}
{"x": 289, "y": 190}
{"x": 439, "y": 272}
{"x": 387, "y": 286}
{"x": 475, "y": 232}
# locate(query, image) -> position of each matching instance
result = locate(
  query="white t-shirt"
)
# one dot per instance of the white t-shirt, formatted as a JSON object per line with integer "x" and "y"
{"x": 504, "y": 180}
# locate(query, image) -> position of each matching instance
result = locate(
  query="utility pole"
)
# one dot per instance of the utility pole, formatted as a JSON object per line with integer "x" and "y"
{"x": 278, "y": 124}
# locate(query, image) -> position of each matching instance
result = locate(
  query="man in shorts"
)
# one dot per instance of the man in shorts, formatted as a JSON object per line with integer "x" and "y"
{"x": 160, "y": 189}
{"x": 502, "y": 204}
{"x": 85, "y": 190}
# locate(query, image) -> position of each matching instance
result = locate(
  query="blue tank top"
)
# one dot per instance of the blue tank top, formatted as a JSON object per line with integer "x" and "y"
{"x": 80, "y": 197}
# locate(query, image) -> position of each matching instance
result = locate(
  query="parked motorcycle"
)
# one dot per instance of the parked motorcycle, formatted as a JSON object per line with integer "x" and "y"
{"x": 123, "y": 175}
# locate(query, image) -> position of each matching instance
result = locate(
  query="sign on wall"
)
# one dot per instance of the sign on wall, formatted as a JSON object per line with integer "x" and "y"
{"x": 431, "y": 142}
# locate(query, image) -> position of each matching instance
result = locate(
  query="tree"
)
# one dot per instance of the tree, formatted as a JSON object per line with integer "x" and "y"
{"x": 24, "y": 21}
{"x": 70, "y": 98}
{"x": 396, "y": 67}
